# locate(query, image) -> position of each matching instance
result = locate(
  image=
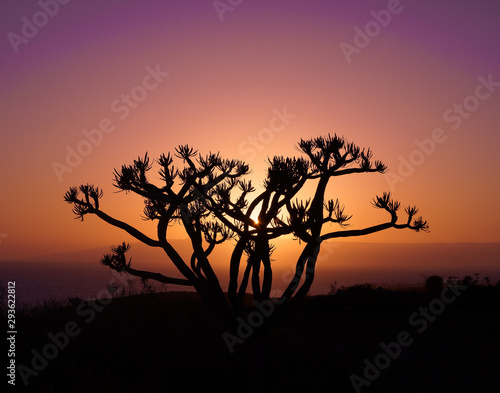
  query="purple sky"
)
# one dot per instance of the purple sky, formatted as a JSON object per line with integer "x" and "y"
{"x": 227, "y": 75}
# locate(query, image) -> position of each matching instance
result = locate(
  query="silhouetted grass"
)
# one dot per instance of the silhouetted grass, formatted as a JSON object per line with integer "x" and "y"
{"x": 170, "y": 342}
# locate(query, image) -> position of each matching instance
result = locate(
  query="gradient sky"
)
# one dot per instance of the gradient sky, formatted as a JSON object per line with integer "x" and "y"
{"x": 228, "y": 75}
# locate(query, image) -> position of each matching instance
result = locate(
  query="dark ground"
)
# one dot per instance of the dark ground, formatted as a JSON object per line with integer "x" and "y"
{"x": 169, "y": 342}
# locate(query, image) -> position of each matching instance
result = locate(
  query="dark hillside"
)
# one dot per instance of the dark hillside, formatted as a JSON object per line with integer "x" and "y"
{"x": 169, "y": 342}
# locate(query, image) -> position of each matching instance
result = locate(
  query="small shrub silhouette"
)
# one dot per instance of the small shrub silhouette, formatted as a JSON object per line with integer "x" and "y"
{"x": 434, "y": 284}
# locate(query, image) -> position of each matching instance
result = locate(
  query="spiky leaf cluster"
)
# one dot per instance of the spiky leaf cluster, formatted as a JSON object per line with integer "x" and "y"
{"x": 88, "y": 203}
{"x": 117, "y": 260}
{"x": 329, "y": 153}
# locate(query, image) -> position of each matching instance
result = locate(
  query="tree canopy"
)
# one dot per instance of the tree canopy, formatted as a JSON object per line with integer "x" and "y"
{"x": 211, "y": 198}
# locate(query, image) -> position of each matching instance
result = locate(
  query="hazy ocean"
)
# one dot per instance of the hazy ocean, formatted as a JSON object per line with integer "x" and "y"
{"x": 37, "y": 280}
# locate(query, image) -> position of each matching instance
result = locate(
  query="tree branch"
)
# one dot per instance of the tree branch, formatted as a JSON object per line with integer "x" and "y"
{"x": 357, "y": 232}
{"x": 127, "y": 228}
{"x": 158, "y": 277}
{"x": 354, "y": 170}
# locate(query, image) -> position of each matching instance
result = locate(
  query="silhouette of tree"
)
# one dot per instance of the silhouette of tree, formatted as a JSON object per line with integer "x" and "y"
{"x": 210, "y": 198}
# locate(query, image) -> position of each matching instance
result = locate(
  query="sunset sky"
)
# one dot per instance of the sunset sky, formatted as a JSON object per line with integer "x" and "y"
{"x": 417, "y": 81}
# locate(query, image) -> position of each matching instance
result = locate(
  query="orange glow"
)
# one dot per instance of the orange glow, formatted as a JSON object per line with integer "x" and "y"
{"x": 228, "y": 85}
